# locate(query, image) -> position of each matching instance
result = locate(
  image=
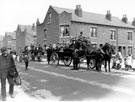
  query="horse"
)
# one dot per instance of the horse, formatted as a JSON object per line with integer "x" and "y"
{"x": 107, "y": 50}
{"x": 101, "y": 55}
{"x": 94, "y": 55}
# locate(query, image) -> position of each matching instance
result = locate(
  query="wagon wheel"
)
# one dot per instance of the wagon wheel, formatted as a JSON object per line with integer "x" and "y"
{"x": 54, "y": 59}
{"x": 67, "y": 60}
{"x": 92, "y": 63}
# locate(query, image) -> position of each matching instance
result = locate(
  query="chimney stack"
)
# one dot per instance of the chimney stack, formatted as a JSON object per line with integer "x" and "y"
{"x": 133, "y": 22}
{"x": 33, "y": 27}
{"x": 37, "y": 23}
{"x": 108, "y": 15}
{"x": 125, "y": 19}
{"x": 78, "y": 11}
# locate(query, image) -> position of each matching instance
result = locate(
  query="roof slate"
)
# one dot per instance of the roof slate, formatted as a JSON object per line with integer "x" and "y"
{"x": 88, "y": 17}
{"x": 28, "y": 28}
{"x": 11, "y": 34}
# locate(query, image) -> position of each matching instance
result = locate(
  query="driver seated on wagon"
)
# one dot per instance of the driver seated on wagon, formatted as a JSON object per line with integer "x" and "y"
{"x": 80, "y": 37}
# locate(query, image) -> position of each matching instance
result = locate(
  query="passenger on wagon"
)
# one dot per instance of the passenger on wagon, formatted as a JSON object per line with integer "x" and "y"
{"x": 81, "y": 36}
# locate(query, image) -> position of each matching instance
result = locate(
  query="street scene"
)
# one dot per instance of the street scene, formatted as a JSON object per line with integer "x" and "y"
{"x": 43, "y": 82}
{"x": 55, "y": 50}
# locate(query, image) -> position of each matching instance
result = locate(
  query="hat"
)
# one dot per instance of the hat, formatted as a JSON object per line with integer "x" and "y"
{"x": 3, "y": 49}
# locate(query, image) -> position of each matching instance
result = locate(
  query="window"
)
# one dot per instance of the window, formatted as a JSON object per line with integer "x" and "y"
{"x": 130, "y": 36}
{"x": 129, "y": 49}
{"x": 93, "y": 31}
{"x": 64, "y": 30}
{"x": 113, "y": 35}
{"x": 50, "y": 18}
{"x": 45, "y": 33}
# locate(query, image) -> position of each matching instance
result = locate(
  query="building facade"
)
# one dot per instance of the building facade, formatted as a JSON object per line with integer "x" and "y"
{"x": 25, "y": 36}
{"x": 9, "y": 40}
{"x": 61, "y": 24}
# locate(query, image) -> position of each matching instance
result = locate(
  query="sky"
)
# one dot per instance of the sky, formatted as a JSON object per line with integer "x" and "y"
{"x": 26, "y": 12}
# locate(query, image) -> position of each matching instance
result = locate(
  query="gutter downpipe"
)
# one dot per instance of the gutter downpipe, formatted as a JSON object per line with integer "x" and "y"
{"x": 117, "y": 40}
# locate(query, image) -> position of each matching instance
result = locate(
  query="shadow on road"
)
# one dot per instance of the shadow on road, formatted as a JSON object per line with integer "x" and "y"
{"x": 72, "y": 86}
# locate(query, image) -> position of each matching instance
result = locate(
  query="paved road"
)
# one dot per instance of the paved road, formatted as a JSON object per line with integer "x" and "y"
{"x": 58, "y": 83}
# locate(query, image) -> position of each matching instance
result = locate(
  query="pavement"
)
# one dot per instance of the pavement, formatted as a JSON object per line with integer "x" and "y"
{"x": 22, "y": 96}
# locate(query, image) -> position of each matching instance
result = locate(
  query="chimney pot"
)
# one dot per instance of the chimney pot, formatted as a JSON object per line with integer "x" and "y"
{"x": 78, "y": 11}
{"x": 108, "y": 15}
{"x": 125, "y": 19}
{"x": 133, "y": 22}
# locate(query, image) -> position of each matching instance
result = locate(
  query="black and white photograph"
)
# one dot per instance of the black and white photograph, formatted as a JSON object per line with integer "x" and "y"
{"x": 67, "y": 50}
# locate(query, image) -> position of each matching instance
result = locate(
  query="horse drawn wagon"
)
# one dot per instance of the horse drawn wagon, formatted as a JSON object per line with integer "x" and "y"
{"x": 94, "y": 56}
{"x": 65, "y": 54}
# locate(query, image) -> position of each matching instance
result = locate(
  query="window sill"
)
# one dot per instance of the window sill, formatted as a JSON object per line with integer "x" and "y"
{"x": 94, "y": 37}
{"x": 130, "y": 40}
{"x": 112, "y": 40}
{"x": 64, "y": 36}
{"x": 49, "y": 23}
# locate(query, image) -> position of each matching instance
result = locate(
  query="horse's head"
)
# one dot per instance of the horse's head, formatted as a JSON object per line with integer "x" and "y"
{"x": 108, "y": 49}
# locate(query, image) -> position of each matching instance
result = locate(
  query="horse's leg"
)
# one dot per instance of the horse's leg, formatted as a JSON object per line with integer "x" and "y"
{"x": 88, "y": 61}
{"x": 105, "y": 66}
{"x": 58, "y": 62}
{"x": 100, "y": 64}
{"x": 97, "y": 69}
{"x": 109, "y": 66}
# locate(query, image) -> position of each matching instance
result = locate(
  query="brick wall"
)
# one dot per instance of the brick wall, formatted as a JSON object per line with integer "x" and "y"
{"x": 40, "y": 33}
{"x": 51, "y": 27}
{"x": 20, "y": 40}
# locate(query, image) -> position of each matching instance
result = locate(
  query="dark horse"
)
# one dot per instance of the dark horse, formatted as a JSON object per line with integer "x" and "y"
{"x": 107, "y": 51}
{"x": 101, "y": 55}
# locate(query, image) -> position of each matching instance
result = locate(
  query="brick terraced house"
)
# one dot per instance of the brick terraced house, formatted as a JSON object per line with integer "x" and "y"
{"x": 60, "y": 24}
{"x": 9, "y": 40}
{"x": 25, "y": 36}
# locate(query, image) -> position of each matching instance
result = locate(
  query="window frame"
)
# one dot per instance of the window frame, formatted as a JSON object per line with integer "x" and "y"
{"x": 130, "y": 49}
{"x": 49, "y": 17}
{"x": 93, "y": 31}
{"x": 65, "y": 27}
{"x": 45, "y": 33}
{"x": 113, "y": 35}
{"x": 130, "y": 36}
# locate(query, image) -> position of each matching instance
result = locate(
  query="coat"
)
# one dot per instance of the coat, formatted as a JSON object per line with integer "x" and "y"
{"x": 6, "y": 64}
{"x": 129, "y": 60}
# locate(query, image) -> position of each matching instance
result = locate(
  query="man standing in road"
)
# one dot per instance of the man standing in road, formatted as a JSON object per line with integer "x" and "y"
{"x": 6, "y": 64}
{"x": 26, "y": 57}
{"x": 75, "y": 59}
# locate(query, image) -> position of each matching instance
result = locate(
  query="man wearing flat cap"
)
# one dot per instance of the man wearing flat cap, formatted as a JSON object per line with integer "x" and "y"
{"x": 6, "y": 64}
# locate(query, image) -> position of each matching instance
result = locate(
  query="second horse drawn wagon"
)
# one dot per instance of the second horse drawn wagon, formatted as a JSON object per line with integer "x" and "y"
{"x": 63, "y": 54}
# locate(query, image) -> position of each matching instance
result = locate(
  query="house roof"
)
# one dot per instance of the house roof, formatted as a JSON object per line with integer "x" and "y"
{"x": 88, "y": 17}
{"x": 28, "y": 28}
{"x": 11, "y": 34}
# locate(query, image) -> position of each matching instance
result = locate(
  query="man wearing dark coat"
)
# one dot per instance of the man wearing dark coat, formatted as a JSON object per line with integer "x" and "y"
{"x": 49, "y": 52}
{"x": 75, "y": 59}
{"x": 26, "y": 58}
{"x": 6, "y": 64}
